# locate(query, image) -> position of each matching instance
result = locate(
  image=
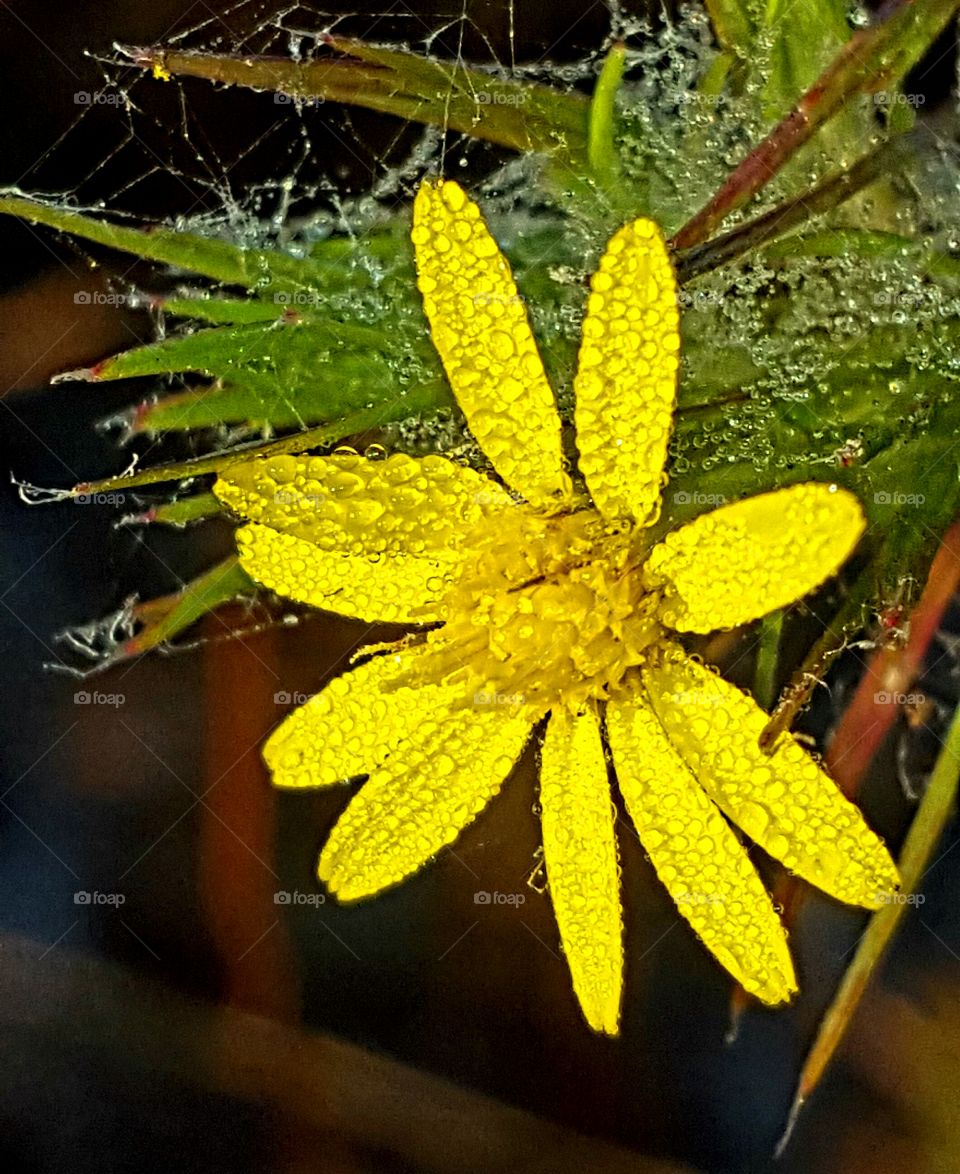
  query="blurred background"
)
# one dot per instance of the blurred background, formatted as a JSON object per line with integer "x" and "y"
{"x": 158, "y": 1007}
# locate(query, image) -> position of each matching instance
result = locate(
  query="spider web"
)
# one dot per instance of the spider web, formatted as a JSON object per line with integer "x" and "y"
{"x": 259, "y": 169}
{"x": 255, "y": 165}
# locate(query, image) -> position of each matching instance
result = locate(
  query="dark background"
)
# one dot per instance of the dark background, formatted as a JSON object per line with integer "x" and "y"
{"x": 188, "y": 1027}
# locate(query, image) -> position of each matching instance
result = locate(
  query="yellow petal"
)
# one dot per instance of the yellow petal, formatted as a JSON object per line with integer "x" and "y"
{"x": 580, "y": 852}
{"x": 352, "y": 725}
{"x": 696, "y": 854}
{"x": 357, "y": 506}
{"x": 480, "y": 328}
{"x": 626, "y": 379}
{"x": 392, "y": 588}
{"x": 743, "y": 560}
{"x": 420, "y": 800}
{"x": 783, "y": 801}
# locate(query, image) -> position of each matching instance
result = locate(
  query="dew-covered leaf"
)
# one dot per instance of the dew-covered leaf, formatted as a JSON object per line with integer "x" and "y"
{"x": 522, "y": 115}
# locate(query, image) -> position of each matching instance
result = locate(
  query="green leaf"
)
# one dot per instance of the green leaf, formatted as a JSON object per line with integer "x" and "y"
{"x": 159, "y": 620}
{"x": 801, "y": 37}
{"x": 282, "y": 374}
{"x": 262, "y": 269}
{"x": 734, "y": 23}
{"x": 840, "y": 242}
{"x": 601, "y": 146}
{"x": 521, "y": 115}
{"x": 195, "y": 507}
{"x": 325, "y": 434}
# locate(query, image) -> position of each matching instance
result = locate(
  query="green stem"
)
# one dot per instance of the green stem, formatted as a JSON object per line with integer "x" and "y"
{"x": 796, "y": 694}
{"x": 924, "y": 834}
{"x": 790, "y": 214}
{"x": 768, "y": 659}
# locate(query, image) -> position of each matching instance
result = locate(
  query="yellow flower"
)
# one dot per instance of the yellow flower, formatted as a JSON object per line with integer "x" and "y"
{"x": 537, "y": 601}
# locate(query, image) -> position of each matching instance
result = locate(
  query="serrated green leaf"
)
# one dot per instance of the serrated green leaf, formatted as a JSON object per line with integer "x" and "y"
{"x": 221, "y": 311}
{"x": 262, "y": 269}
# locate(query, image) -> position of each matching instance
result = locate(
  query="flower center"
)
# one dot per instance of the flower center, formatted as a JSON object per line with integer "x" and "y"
{"x": 546, "y": 609}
